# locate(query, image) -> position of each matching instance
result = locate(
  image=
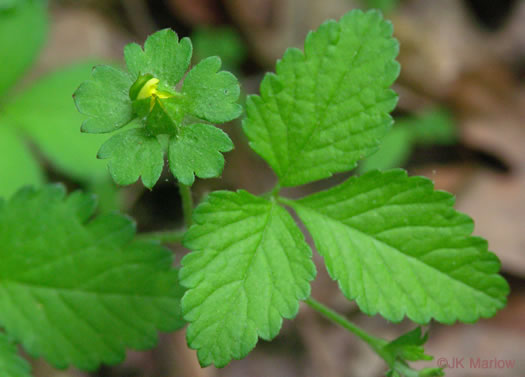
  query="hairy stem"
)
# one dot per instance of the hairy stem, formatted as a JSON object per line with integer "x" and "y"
{"x": 375, "y": 343}
{"x": 187, "y": 203}
{"x": 169, "y": 236}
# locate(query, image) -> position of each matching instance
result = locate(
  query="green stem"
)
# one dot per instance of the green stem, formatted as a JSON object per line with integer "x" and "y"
{"x": 187, "y": 203}
{"x": 173, "y": 236}
{"x": 375, "y": 343}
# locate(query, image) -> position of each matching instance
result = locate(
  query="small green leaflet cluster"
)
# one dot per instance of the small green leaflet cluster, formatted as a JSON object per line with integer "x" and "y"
{"x": 408, "y": 347}
{"x": 394, "y": 244}
{"x": 77, "y": 289}
{"x": 162, "y": 115}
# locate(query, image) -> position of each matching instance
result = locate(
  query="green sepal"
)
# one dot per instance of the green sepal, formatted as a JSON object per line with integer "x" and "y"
{"x": 138, "y": 85}
{"x": 160, "y": 120}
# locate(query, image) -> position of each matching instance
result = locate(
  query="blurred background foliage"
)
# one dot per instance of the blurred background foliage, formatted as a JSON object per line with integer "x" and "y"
{"x": 460, "y": 121}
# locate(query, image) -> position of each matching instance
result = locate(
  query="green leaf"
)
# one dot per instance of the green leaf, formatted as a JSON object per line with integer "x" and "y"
{"x": 132, "y": 154}
{"x": 399, "y": 248}
{"x": 164, "y": 57}
{"x": 79, "y": 291}
{"x": 328, "y": 107}
{"x": 196, "y": 150}
{"x": 23, "y": 30}
{"x": 104, "y": 98}
{"x": 49, "y": 118}
{"x": 224, "y": 42}
{"x": 11, "y": 363}
{"x": 249, "y": 268}
{"x": 211, "y": 95}
{"x": 18, "y": 167}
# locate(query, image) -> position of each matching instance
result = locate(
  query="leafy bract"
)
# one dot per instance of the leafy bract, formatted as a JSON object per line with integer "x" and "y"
{"x": 148, "y": 96}
{"x": 328, "y": 107}
{"x": 133, "y": 153}
{"x": 11, "y": 363}
{"x": 164, "y": 56}
{"x": 18, "y": 167}
{"x": 212, "y": 95}
{"x": 47, "y": 116}
{"x": 105, "y": 100}
{"x": 249, "y": 268}
{"x": 197, "y": 151}
{"x": 399, "y": 248}
{"x": 80, "y": 291}
{"x": 22, "y": 32}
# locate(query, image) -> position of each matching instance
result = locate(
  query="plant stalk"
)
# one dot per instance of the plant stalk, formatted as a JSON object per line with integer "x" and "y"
{"x": 375, "y": 343}
{"x": 187, "y": 203}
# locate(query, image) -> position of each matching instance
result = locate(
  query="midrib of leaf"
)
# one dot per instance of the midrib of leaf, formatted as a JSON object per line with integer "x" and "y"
{"x": 395, "y": 250}
{"x": 320, "y": 123}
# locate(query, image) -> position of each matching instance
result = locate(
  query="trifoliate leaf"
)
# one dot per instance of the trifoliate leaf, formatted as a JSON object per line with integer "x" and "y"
{"x": 328, "y": 107}
{"x": 211, "y": 95}
{"x": 133, "y": 154}
{"x": 79, "y": 291}
{"x": 11, "y": 363}
{"x": 196, "y": 150}
{"x": 399, "y": 248}
{"x": 18, "y": 167}
{"x": 249, "y": 268}
{"x": 22, "y": 32}
{"x": 164, "y": 57}
{"x": 48, "y": 117}
{"x": 104, "y": 98}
